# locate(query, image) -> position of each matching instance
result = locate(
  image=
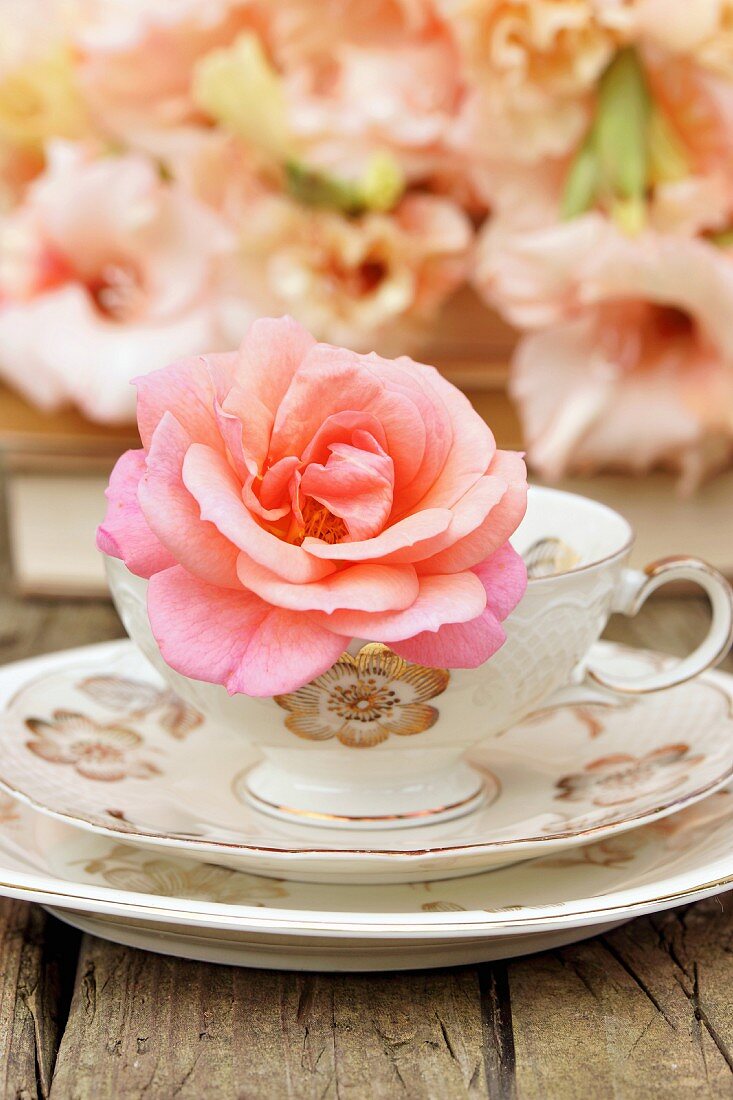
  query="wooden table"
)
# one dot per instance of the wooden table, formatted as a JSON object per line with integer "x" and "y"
{"x": 646, "y": 1011}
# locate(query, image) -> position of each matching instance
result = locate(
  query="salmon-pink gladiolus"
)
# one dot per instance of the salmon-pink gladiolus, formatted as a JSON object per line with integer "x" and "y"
{"x": 105, "y": 270}
{"x": 368, "y": 281}
{"x": 136, "y": 59}
{"x": 632, "y": 363}
{"x": 291, "y": 496}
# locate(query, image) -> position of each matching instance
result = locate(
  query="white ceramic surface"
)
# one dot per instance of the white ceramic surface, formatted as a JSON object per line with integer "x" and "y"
{"x": 237, "y": 950}
{"x": 198, "y": 911}
{"x": 94, "y": 737}
{"x": 396, "y": 778}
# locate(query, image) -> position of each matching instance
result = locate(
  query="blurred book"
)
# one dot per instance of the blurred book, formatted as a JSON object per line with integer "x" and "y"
{"x": 57, "y": 467}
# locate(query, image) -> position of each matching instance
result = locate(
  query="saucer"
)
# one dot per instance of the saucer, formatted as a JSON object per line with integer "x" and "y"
{"x": 176, "y": 905}
{"x": 92, "y": 737}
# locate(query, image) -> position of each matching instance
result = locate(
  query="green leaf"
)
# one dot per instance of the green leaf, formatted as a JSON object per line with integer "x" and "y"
{"x": 314, "y": 188}
{"x": 622, "y": 126}
{"x": 379, "y": 189}
{"x": 581, "y": 185}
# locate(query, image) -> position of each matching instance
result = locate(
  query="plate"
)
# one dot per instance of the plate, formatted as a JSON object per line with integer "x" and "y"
{"x": 179, "y": 906}
{"x": 93, "y": 737}
{"x": 234, "y": 950}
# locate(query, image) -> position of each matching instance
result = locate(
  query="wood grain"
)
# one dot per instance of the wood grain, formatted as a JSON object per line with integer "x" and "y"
{"x": 143, "y": 1025}
{"x": 645, "y": 1011}
{"x": 38, "y": 956}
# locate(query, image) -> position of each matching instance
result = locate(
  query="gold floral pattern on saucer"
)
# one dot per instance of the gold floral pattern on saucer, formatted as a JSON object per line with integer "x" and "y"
{"x": 362, "y": 700}
{"x": 127, "y": 868}
{"x": 96, "y": 751}
{"x": 618, "y": 779}
{"x": 138, "y": 699}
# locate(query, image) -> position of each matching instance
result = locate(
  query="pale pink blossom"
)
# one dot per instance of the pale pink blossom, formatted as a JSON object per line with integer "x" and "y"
{"x": 699, "y": 106}
{"x": 630, "y": 314}
{"x": 304, "y": 31}
{"x": 292, "y": 496}
{"x": 337, "y": 95}
{"x": 533, "y": 66}
{"x": 137, "y": 57}
{"x": 632, "y": 366}
{"x": 106, "y": 270}
{"x": 702, "y": 31}
{"x": 403, "y": 97}
{"x": 373, "y": 280}
{"x": 38, "y": 96}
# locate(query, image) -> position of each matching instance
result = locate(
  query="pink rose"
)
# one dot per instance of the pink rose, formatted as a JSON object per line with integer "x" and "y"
{"x": 292, "y": 496}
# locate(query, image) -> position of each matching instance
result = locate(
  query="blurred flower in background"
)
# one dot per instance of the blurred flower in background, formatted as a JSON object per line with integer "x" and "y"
{"x": 170, "y": 169}
{"x": 616, "y": 256}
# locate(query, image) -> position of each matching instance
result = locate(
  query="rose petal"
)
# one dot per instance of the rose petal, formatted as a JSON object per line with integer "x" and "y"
{"x": 234, "y": 638}
{"x": 472, "y": 542}
{"x": 469, "y": 644}
{"x": 455, "y": 598}
{"x": 173, "y": 514}
{"x": 185, "y": 389}
{"x": 274, "y": 501}
{"x": 504, "y": 576}
{"x": 340, "y": 428}
{"x": 380, "y": 587}
{"x": 472, "y": 443}
{"x": 455, "y": 645}
{"x": 268, "y": 357}
{"x": 410, "y": 531}
{"x": 355, "y": 484}
{"x": 333, "y": 381}
{"x": 125, "y": 533}
{"x": 213, "y": 484}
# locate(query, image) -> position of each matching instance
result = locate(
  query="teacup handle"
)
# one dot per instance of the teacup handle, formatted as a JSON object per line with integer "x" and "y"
{"x": 634, "y": 587}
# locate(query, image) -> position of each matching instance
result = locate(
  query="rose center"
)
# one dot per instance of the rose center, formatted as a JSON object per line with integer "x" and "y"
{"x": 319, "y": 523}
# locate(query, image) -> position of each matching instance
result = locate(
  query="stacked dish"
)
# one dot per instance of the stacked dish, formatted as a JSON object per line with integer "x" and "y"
{"x": 123, "y": 815}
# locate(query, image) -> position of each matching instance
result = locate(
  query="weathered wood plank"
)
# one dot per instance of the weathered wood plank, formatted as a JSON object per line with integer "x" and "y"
{"x": 29, "y": 627}
{"x": 38, "y": 956}
{"x": 146, "y": 1026}
{"x": 499, "y": 1051}
{"x": 644, "y": 1011}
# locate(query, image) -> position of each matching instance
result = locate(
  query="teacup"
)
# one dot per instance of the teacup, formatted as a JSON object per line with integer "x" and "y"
{"x": 376, "y": 741}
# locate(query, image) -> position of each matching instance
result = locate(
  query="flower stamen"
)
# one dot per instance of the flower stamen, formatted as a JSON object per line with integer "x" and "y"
{"x": 319, "y": 523}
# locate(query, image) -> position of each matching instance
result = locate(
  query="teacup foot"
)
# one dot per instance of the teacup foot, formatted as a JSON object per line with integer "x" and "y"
{"x": 440, "y": 797}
